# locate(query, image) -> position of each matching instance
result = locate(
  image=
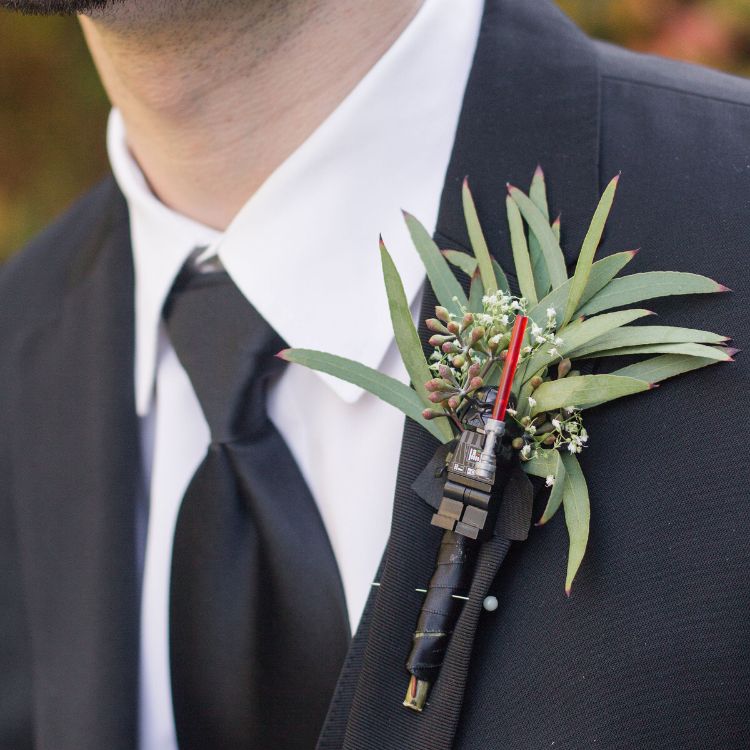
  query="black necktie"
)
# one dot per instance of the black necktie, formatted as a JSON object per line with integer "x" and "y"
{"x": 258, "y": 624}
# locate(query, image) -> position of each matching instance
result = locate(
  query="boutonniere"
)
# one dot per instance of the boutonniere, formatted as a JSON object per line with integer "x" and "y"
{"x": 504, "y": 385}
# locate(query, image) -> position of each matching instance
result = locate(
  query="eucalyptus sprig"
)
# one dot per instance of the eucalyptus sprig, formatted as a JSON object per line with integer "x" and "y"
{"x": 577, "y": 317}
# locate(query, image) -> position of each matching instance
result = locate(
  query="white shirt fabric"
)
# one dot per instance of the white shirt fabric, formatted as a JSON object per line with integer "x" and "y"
{"x": 304, "y": 251}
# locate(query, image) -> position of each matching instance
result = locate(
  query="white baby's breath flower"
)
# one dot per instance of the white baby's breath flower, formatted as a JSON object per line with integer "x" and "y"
{"x": 572, "y": 448}
{"x": 532, "y": 402}
{"x": 535, "y": 329}
{"x": 549, "y": 481}
{"x": 512, "y": 412}
{"x": 557, "y": 424}
{"x": 558, "y": 341}
{"x": 526, "y": 451}
{"x": 553, "y": 352}
{"x": 551, "y": 312}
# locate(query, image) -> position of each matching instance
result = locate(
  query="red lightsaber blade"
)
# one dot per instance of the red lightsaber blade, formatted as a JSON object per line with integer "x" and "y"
{"x": 509, "y": 370}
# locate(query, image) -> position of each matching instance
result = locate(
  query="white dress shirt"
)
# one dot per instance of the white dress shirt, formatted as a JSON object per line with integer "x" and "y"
{"x": 304, "y": 251}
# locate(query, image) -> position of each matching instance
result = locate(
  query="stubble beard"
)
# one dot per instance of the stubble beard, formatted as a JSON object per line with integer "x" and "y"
{"x": 57, "y": 7}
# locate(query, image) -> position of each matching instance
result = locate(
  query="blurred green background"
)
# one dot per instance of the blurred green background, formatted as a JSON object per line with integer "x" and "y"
{"x": 53, "y": 110}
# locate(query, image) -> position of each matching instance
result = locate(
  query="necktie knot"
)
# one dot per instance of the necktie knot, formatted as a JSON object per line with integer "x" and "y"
{"x": 227, "y": 350}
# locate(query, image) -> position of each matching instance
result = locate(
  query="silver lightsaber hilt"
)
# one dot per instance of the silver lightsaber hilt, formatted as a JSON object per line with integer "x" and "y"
{"x": 494, "y": 430}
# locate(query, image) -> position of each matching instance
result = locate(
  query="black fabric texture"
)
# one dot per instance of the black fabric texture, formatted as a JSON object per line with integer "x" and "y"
{"x": 70, "y": 436}
{"x": 258, "y": 623}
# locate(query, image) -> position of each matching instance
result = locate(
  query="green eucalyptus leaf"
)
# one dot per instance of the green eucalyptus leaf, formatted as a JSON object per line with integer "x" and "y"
{"x": 640, "y": 335}
{"x": 580, "y": 332}
{"x": 602, "y": 272}
{"x": 478, "y": 242}
{"x": 556, "y": 493}
{"x": 467, "y": 263}
{"x": 549, "y": 243}
{"x": 538, "y": 192}
{"x": 641, "y": 286}
{"x": 577, "y": 515}
{"x": 500, "y": 277}
{"x": 538, "y": 195}
{"x": 386, "y": 388}
{"x": 543, "y": 464}
{"x": 656, "y": 369}
{"x": 444, "y": 283}
{"x": 556, "y": 229}
{"x": 588, "y": 249}
{"x": 692, "y": 350}
{"x": 521, "y": 257}
{"x": 407, "y": 338}
{"x": 584, "y": 391}
{"x": 476, "y": 293}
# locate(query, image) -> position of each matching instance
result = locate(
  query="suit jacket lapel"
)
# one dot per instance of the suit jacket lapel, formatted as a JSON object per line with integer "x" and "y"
{"x": 75, "y": 424}
{"x": 532, "y": 97}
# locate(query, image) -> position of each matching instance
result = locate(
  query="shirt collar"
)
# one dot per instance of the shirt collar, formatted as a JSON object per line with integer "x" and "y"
{"x": 304, "y": 248}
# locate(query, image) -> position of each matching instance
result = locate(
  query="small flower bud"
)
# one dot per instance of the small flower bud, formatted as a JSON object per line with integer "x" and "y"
{"x": 475, "y": 369}
{"x": 433, "y": 385}
{"x": 454, "y": 327}
{"x": 475, "y": 383}
{"x": 536, "y": 381}
{"x": 454, "y": 402}
{"x": 443, "y": 314}
{"x": 431, "y": 414}
{"x": 449, "y": 347}
{"x": 517, "y": 443}
{"x": 468, "y": 320}
{"x": 438, "y": 340}
{"x": 459, "y": 361}
{"x": 549, "y": 440}
{"x": 446, "y": 373}
{"x": 439, "y": 396}
{"x": 525, "y": 420}
{"x": 433, "y": 324}
{"x": 477, "y": 334}
{"x": 563, "y": 368}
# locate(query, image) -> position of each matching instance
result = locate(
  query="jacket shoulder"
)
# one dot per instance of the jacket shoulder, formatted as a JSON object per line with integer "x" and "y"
{"x": 650, "y": 71}
{"x": 33, "y": 282}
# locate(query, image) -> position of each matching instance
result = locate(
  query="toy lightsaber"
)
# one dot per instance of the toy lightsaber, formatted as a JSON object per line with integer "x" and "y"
{"x": 467, "y": 512}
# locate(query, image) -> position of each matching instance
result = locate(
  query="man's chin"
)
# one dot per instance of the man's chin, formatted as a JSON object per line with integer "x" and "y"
{"x": 56, "y": 7}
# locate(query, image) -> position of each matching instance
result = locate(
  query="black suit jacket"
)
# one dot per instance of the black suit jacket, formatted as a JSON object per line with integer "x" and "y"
{"x": 651, "y": 651}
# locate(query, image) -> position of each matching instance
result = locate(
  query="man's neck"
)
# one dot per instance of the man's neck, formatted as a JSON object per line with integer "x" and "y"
{"x": 215, "y": 95}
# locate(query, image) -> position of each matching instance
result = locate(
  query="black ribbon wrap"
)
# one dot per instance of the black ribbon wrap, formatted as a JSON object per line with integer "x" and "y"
{"x": 512, "y": 499}
{"x": 442, "y": 605}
